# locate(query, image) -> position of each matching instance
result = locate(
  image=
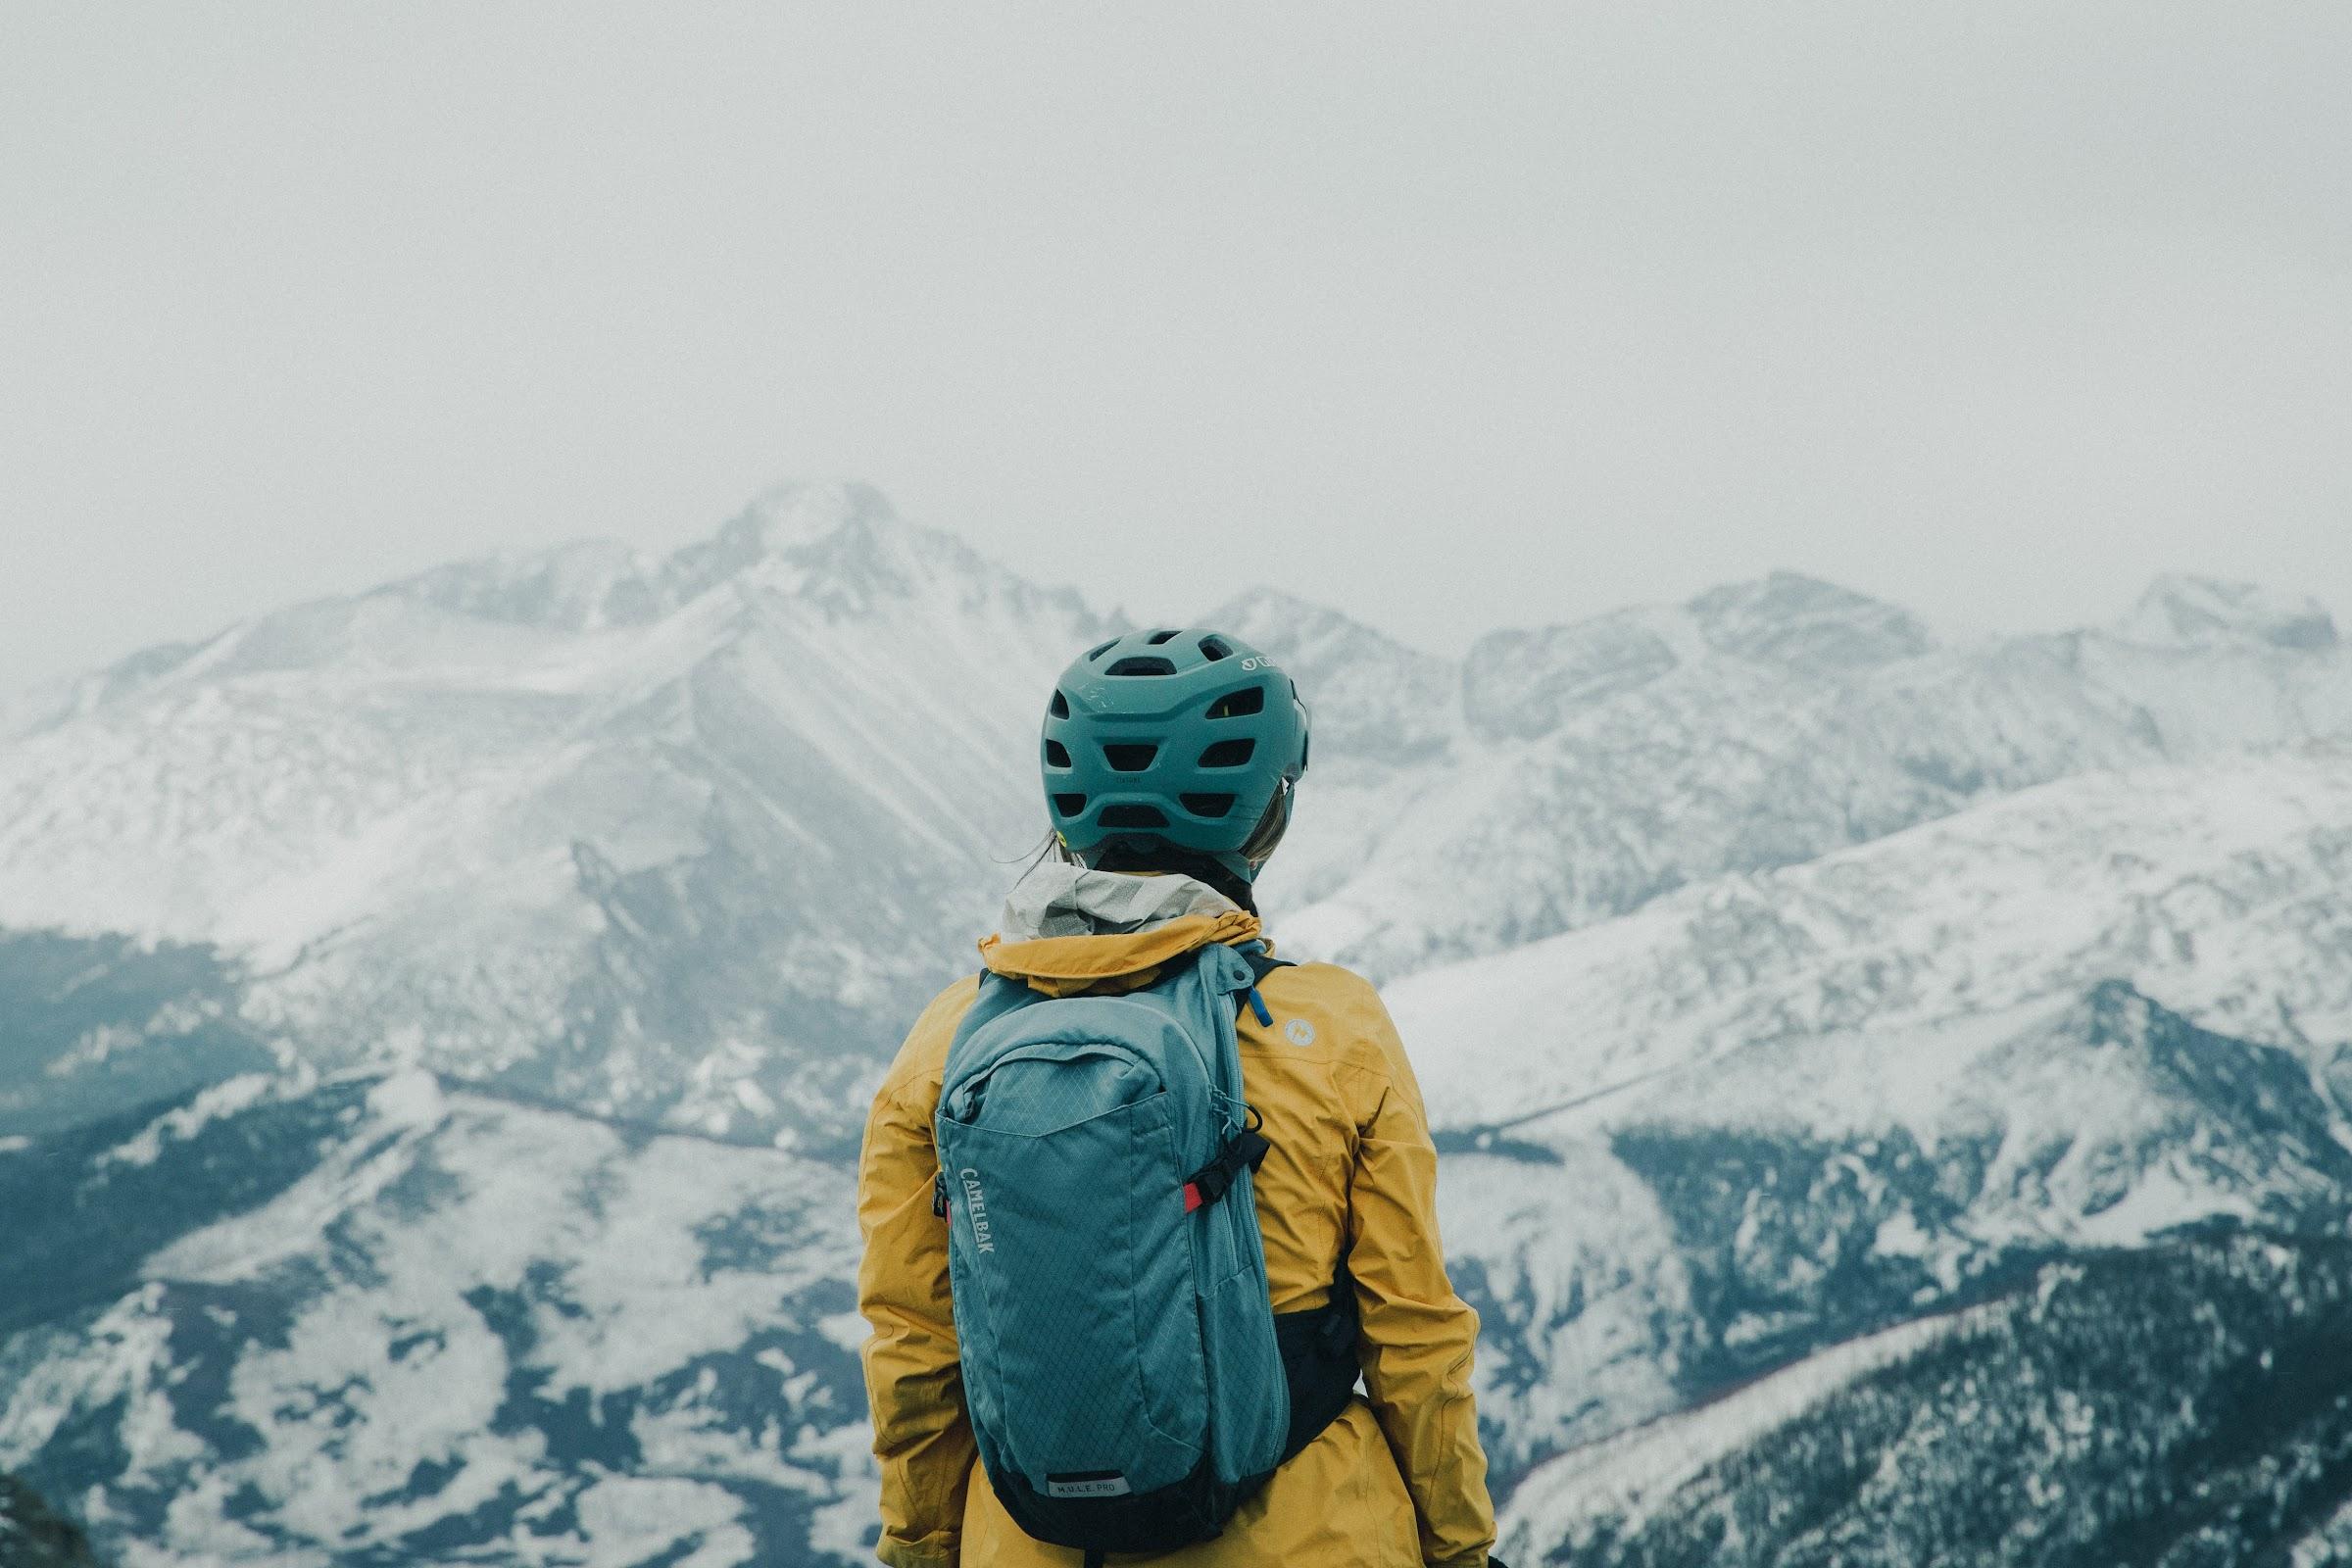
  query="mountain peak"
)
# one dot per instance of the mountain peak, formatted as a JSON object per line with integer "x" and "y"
{"x": 801, "y": 529}
{"x": 1791, "y": 619}
{"x": 2186, "y": 611}
{"x": 799, "y": 513}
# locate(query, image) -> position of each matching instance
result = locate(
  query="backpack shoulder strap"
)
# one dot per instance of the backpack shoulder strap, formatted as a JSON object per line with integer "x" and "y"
{"x": 997, "y": 997}
{"x": 1261, "y": 965}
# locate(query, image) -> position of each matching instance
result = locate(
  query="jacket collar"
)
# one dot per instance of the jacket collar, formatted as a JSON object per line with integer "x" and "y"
{"x": 1069, "y": 929}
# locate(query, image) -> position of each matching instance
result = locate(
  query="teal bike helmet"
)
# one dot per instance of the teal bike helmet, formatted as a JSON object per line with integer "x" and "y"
{"x": 1173, "y": 741}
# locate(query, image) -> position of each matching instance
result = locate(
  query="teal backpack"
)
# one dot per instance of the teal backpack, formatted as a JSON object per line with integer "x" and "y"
{"x": 1125, "y": 1374}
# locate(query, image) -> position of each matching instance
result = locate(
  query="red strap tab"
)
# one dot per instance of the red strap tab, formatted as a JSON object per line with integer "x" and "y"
{"x": 1192, "y": 1197}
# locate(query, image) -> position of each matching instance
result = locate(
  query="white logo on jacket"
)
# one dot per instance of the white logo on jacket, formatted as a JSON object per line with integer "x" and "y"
{"x": 1299, "y": 1032}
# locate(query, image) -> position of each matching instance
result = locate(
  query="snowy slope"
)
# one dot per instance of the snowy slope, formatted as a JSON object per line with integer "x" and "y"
{"x": 374, "y": 1320}
{"x": 2191, "y": 1404}
{"x": 1618, "y": 1482}
{"x": 2224, "y": 891}
{"x": 1621, "y": 1271}
{"x": 1771, "y": 1112}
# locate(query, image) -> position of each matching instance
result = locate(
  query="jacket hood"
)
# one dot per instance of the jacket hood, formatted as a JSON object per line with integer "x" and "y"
{"x": 1069, "y": 929}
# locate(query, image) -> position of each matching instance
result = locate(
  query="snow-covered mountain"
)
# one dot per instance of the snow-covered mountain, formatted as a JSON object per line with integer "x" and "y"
{"x": 433, "y": 1022}
{"x": 2179, "y": 1405}
{"x": 1594, "y": 767}
{"x": 582, "y": 822}
{"x": 668, "y": 840}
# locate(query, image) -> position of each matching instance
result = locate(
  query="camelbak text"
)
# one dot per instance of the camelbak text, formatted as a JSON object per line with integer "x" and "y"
{"x": 975, "y": 1204}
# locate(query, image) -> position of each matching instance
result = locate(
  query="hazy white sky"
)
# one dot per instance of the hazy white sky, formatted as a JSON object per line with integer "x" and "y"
{"x": 1452, "y": 316}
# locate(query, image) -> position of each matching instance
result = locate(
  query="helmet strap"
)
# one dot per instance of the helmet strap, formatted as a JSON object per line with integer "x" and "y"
{"x": 1265, "y": 838}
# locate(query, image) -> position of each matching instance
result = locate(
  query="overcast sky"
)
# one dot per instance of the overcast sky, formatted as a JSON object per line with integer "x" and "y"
{"x": 1454, "y": 318}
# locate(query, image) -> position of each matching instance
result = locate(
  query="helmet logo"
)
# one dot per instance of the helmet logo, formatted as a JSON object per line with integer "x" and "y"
{"x": 1258, "y": 661}
{"x": 1299, "y": 1032}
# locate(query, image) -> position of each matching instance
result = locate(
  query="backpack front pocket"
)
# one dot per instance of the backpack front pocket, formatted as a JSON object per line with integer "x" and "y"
{"x": 1073, "y": 1232}
{"x": 1045, "y": 1088}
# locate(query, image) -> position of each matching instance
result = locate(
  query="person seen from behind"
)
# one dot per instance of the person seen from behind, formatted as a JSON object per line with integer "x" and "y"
{"x": 1149, "y": 1215}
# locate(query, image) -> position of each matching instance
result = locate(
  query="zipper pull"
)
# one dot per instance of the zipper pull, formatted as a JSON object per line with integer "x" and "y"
{"x": 939, "y": 1195}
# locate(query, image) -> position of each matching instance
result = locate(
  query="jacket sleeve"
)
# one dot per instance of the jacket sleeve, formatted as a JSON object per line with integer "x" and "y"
{"x": 913, "y": 1383}
{"x": 1418, "y": 1336}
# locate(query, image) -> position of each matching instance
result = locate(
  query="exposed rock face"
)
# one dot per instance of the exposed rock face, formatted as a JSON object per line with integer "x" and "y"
{"x": 31, "y": 1536}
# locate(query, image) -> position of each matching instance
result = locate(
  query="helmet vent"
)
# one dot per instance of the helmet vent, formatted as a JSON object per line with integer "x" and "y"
{"x": 1144, "y": 664}
{"x": 1228, "y": 754}
{"x": 1133, "y": 816}
{"x": 1070, "y": 805}
{"x": 1158, "y": 637}
{"x": 1208, "y": 805}
{"x": 1099, "y": 649}
{"x": 1129, "y": 758}
{"x": 1213, "y": 649}
{"x": 1059, "y": 708}
{"x": 1056, "y": 755}
{"x": 1236, "y": 703}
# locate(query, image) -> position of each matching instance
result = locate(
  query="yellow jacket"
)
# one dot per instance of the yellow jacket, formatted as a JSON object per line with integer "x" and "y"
{"x": 1398, "y": 1482}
